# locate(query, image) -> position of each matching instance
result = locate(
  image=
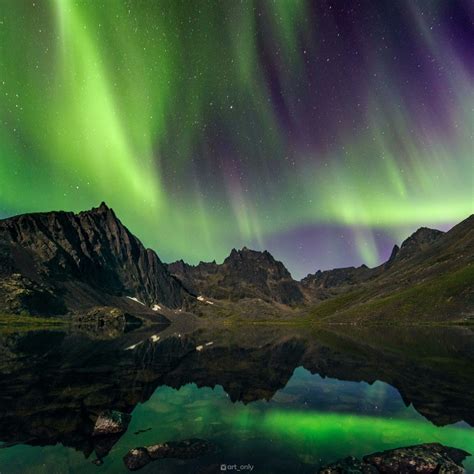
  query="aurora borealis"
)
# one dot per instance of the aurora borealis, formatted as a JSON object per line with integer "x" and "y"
{"x": 324, "y": 131}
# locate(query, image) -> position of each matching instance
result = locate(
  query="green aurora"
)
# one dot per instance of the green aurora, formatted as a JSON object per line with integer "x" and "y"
{"x": 213, "y": 124}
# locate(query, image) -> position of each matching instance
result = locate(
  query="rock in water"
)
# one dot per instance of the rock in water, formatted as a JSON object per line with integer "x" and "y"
{"x": 111, "y": 422}
{"x": 431, "y": 458}
{"x": 423, "y": 459}
{"x": 349, "y": 465}
{"x": 136, "y": 459}
{"x": 186, "y": 449}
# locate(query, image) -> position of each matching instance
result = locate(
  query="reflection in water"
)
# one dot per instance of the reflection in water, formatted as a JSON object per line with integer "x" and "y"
{"x": 280, "y": 398}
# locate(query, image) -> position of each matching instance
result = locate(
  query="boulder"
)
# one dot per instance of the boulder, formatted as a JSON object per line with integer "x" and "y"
{"x": 349, "y": 465}
{"x": 430, "y": 458}
{"x": 136, "y": 459}
{"x": 111, "y": 422}
{"x": 422, "y": 459}
{"x": 107, "y": 317}
{"x": 186, "y": 449}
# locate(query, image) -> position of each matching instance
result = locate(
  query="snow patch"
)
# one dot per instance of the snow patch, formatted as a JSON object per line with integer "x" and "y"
{"x": 133, "y": 298}
{"x": 201, "y": 347}
{"x": 130, "y": 348}
{"x": 156, "y": 307}
{"x": 203, "y": 300}
{"x": 155, "y": 338}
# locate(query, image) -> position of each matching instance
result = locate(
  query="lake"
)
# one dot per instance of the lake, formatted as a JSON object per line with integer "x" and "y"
{"x": 271, "y": 398}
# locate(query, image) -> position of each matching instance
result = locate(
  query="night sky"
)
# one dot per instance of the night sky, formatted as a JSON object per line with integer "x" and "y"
{"x": 324, "y": 131}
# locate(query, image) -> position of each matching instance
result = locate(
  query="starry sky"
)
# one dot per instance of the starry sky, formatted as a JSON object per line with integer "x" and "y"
{"x": 324, "y": 131}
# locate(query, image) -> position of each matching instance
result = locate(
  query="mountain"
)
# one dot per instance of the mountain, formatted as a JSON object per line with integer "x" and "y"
{"x": 60, "y": 261}
{"x": 195, "y": 278}
{"x": 243, "y": 274}
{"x": 430, "y": 278}
{"x": 420, "y": 240}
{"x": 338, "y": 278}
{"x": 318, "y": 283}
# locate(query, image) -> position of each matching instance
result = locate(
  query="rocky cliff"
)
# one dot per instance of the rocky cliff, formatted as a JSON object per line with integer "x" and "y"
{"x": 244, "y": 273}
{"x": 83, "y": 259}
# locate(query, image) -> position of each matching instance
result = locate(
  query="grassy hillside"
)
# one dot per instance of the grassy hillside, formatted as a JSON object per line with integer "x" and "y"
{"x": 447, "y": 297}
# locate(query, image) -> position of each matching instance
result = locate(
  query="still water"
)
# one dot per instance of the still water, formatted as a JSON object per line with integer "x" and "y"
{"x": 272, "y": 399}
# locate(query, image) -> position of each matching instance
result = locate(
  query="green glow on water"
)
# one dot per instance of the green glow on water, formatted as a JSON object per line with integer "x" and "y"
{"x": 262, "y": 433}
{"x": 358, "y": 435}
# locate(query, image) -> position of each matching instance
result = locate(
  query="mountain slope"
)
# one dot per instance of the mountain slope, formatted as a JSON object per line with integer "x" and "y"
{"x": 82, "y": 260}
{"x": 323, "y": 284}
{"x": 431, "y": 278}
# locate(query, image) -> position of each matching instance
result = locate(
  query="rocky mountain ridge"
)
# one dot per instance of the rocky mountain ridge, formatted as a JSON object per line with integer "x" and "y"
{"x": 81, "y": 260}
{"x": 61, "y": 262}
{"x": 244, "y": 273}
{"x": 429, "y": 277}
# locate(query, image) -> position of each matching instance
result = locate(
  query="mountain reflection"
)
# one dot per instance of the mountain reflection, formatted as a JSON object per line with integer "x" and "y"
{"x": 55, "y": 383}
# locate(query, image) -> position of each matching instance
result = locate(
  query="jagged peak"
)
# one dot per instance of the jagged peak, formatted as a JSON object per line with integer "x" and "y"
{"x": 247, "y": 251}
{"x": 394, "y": 252}
{"x": 422, "y": 235}
{"x": 184, "y": 265}
{"x": 393, "y": 256}
{"x": 202, "y": 262}
{"x": 103, "y": 208}
{"x": 103, "y": 211}
{"x": 395, "y": 249}
{"x": 244, "y": 250}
